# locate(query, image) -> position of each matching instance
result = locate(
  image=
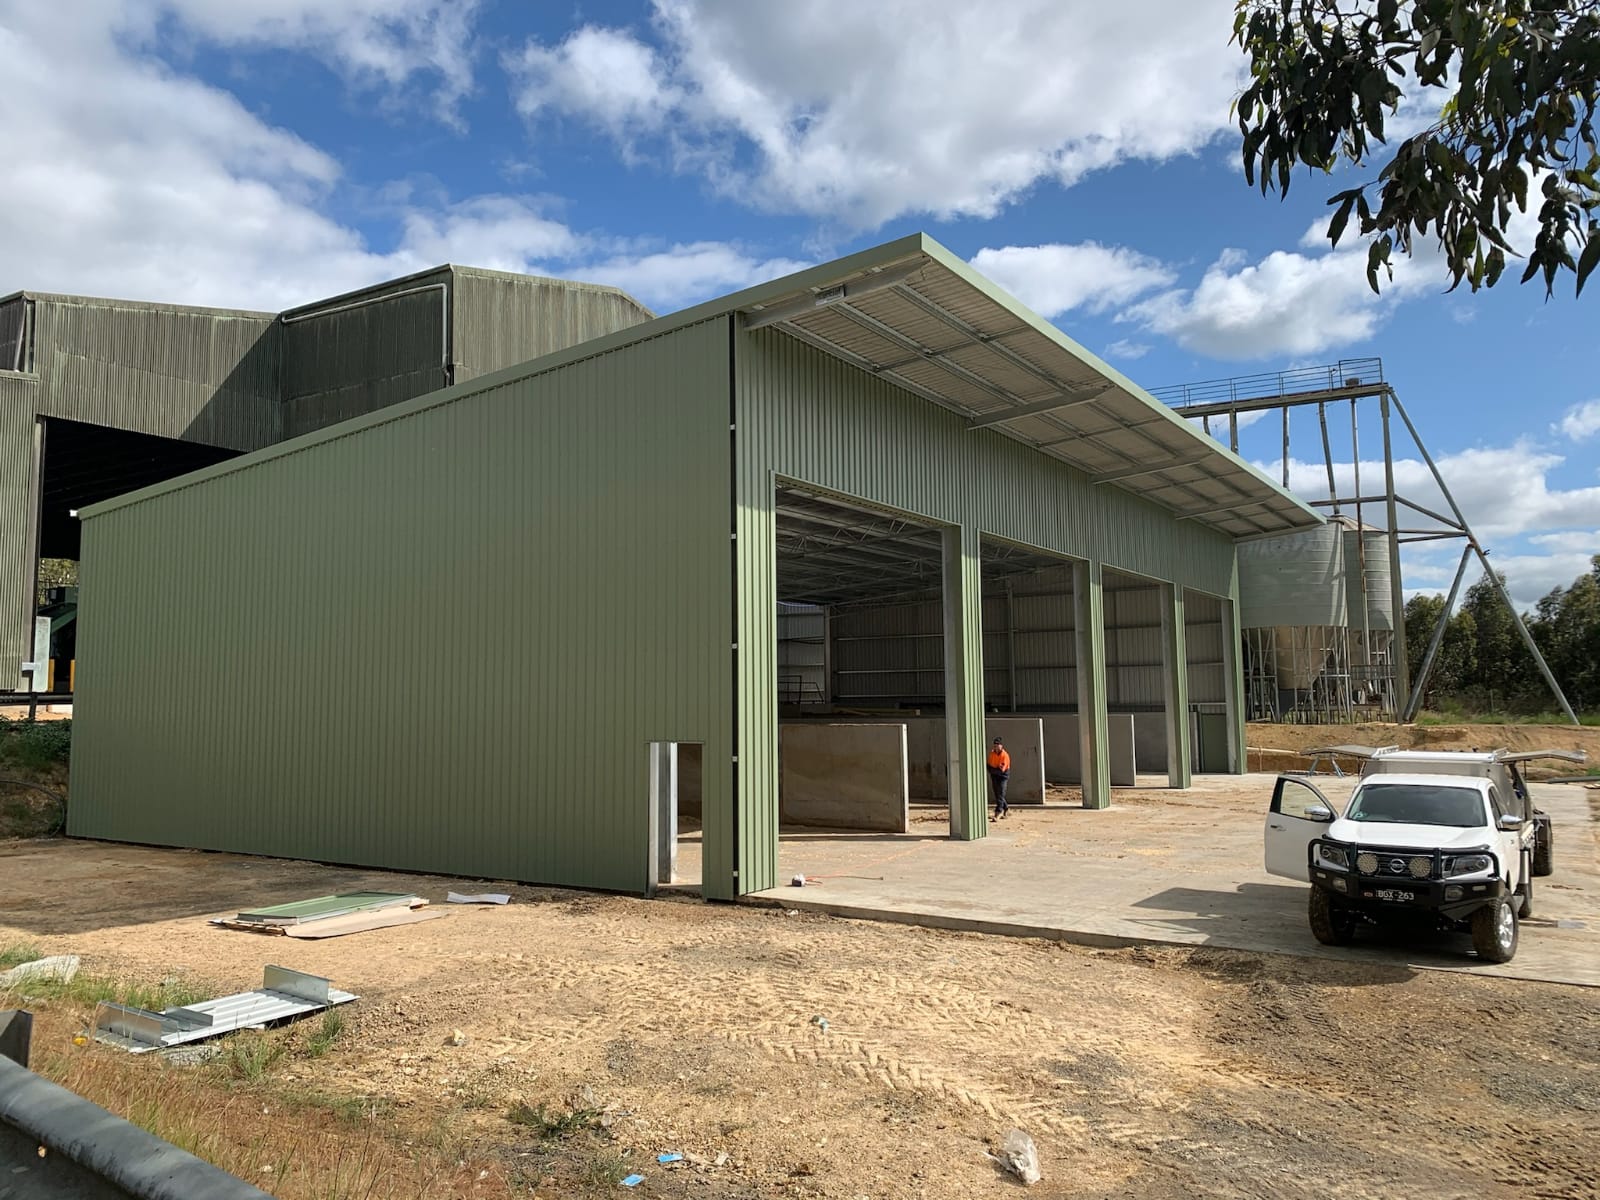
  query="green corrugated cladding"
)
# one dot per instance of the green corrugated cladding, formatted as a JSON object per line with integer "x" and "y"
{"x": 501, "y": 320}
{"x": 18, "y": 395}
{"x": 349, "y": 357}
{"x": 438, "y": 641}
{"x": 208, "y": 376}
{"x": 804, "y": 416}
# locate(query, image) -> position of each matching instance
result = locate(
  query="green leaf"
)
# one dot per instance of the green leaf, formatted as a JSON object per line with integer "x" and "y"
{"x": 1588, "y": 260}
{"x": 1340, "y": 220}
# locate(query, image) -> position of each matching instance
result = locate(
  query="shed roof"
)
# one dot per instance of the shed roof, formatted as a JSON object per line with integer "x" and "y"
{"x": 913, "y": 313}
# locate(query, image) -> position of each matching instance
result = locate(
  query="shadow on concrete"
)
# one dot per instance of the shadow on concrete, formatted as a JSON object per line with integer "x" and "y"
{"x": 1241, "y": 899}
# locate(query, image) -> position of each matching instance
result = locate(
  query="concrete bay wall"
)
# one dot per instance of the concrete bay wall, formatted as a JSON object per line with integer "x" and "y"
{"x": 843, "y": 776}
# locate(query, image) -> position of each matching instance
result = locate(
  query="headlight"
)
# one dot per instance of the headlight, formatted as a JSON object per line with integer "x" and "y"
{"x": 1367, "y": 864}
{"x": 1333, "y": 856}
{"x": 1469, "y": 864}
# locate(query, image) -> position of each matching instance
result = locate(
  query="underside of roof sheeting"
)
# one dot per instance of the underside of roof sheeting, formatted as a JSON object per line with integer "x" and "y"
{"x": 920, "y": 318}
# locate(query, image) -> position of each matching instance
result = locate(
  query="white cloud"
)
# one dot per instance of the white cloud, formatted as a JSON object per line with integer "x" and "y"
{"x": 862, "y": 112}
{"x": 1580, "y": 422}
{"x": 611, "y": 76}
{"x": 126, "y": 178}
{"x": 1124, "y": 349}
{"x": 671, "y": 278}
{"x": 370, "y": 42}
{"x": 1572, "y": 541}
{"x": 1285, "y": 304}
{"x": 1507, "y": 499}
{"x": 1056, "y": 278}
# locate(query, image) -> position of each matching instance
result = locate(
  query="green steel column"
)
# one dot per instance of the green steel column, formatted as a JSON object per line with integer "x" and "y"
{"x": 1175, "y": 662}
{"x": 1233, "y": 684}
{"x": 1088, "y": 594}
{"x": 963, "y": 683}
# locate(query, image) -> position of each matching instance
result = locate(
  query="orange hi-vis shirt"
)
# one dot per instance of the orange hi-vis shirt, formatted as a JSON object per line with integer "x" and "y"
{"x": 999, "y": 760}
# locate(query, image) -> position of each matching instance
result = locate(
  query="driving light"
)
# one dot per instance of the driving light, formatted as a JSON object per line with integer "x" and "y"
{"x": 1420, "y": 867}
{"x": 1469, "y": 864}
{"x": 1367, "y": 864}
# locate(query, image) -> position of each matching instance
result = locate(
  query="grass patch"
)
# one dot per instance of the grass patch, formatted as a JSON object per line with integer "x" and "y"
{"x": 34, "y": 746}
{"x": 605, "y": 1169}
{"x": 249, "y": 1056}
{"x": 18, "y": 953}
{"x": 550, "y": 1125}
{"x": 1461, "y": 716}
{"x": 90, "y": 990}
{"x": 327, "y": 1032}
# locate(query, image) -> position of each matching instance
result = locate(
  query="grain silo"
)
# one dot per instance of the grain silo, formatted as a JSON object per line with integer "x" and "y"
{"x": 1317, "y": 616}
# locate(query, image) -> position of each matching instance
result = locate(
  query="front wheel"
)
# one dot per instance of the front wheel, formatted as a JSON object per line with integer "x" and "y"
{"x": 1494, "y": 931}
{"x": 1331, "y": 924}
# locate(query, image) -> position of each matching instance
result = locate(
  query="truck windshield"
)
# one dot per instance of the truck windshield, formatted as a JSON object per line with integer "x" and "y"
{"x": 1417, "y": 804}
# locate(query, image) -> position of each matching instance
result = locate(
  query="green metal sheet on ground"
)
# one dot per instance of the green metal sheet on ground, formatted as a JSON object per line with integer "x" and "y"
{"x": 319, "y": 907}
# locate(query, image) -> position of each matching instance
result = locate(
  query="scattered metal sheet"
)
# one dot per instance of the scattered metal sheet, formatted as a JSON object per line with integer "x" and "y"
{"x": 283, "y": 995}
{"x": 360, "y": 922}
{"x": 480, "y": 898}
{"x": 320, "y": 907}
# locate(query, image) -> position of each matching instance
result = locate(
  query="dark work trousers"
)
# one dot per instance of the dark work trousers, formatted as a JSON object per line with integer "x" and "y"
{"x": 997, "y": 784}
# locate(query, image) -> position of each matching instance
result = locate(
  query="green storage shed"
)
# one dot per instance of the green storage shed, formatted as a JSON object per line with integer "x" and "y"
{"x": 446, "y": 635}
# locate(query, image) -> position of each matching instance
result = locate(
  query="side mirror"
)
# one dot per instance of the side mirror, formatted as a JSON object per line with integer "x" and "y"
{"x": 1318, "y": 813}
{"x": 1510, "y": 822}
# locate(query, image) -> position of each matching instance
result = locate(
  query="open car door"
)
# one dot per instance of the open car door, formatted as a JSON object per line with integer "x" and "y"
{"x": 1298, "y": 814}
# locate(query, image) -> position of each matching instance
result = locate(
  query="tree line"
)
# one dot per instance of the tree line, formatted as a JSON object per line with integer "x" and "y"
{"x": 1482, "y": 664}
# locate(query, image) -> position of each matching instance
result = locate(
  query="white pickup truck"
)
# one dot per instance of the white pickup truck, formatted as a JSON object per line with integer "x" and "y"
{"x": 1447, "y": 838}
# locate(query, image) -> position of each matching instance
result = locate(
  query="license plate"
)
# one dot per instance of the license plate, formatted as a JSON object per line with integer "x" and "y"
{"x": 1394, "y": 894}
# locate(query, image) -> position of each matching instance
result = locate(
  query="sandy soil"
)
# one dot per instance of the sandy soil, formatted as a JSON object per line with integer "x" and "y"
{"x": 1263, "y": 739}
{"x": 1151, "y": 1073}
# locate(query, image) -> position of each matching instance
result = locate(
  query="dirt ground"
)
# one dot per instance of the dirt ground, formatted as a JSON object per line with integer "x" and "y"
{"x": 1264, "y": 740}
{"x": 1145, "y": 1072}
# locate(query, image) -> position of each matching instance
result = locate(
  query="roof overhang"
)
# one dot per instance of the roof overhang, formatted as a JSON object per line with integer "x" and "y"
{"x": 915, "y": 315}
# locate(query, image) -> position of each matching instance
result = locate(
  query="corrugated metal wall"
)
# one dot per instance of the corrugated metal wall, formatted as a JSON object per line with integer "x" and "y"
{"x": 811, "y": 418}
{"x": 502, "y": 320}
{"x": 204, "y": 376}
{"x": 438, "y": 640}
{"x": 1203, "y": 633}
{"x": 802, "y": 654}
{"x": 1135, "y": 673}
{"x": 355, "y": 356}
{"x": 18, "y": 396}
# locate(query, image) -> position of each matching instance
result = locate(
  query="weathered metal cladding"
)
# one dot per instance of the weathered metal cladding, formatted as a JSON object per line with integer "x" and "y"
{"x": 19, "y": 396}
{"x": 439, "y": 640}
{"x": 1135, "y": 674}
{"x": 809, "y": 417}
{"x": 1204, "y": 630}
{"x": 1368, "y": 553}
{"x": 1297, "y": 579}
{"x": 501, "y": 320}
{"x": 351, "y": 357}
{"x": 202, "y": 375}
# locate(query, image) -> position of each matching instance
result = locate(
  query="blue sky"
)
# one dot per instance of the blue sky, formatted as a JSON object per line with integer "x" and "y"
{"x": 258, "y": 153}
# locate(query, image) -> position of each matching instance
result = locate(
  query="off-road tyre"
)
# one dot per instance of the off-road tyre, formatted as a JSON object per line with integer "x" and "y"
{"x": 1494, "y": 931}
{"x": 1544, "y": 846}
{"x": 1331, "y": 924}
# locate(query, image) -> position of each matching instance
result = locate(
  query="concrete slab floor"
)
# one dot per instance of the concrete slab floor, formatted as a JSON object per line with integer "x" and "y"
{"x": 1163, "y": 866}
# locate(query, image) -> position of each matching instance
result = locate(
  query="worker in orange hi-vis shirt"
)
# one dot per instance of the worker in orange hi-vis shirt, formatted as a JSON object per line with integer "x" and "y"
{"x": 999, "y": 774}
